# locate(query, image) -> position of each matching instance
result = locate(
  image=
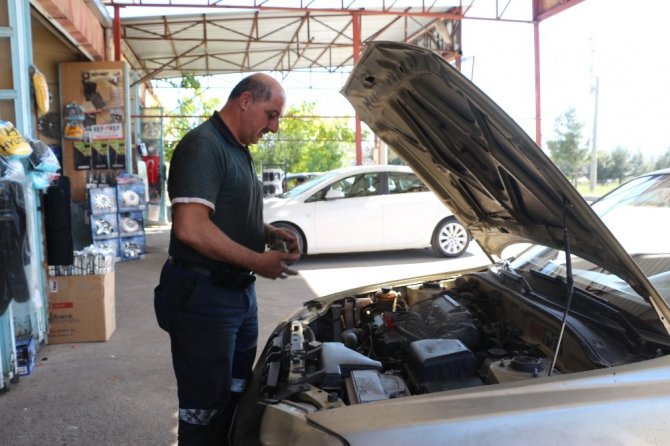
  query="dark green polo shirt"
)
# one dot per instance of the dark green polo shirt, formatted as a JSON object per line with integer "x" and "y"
{"x": 210, "y": 167}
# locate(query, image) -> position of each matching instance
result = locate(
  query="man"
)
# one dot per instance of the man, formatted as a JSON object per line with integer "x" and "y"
{"x": 206, "y": 296}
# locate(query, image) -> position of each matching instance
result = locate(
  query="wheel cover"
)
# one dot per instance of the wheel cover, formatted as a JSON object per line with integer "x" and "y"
{"x": 453, "y": 238}
{"x": 294, "y": 231}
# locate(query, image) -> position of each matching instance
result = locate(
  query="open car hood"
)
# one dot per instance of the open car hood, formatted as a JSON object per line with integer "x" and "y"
{"x": 484, "y": 167}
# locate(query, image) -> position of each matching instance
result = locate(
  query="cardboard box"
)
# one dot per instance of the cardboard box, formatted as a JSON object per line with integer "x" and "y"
{"x": 81, "y": 308}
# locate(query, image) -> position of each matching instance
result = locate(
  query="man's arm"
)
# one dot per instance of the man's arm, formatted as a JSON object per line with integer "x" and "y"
{"x": 193, "y": 227}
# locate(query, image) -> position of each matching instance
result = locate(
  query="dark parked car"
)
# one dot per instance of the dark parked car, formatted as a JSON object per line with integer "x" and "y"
{"x": 564, "y": 344}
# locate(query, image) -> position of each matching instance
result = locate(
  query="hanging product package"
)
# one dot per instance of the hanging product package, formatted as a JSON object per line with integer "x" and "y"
{"x": 74, "y": 122}
{"x": 14, "y": 246}
{"x": 12, "y": 144}
{"x": 100, "y": 154}
{"x": 82, "y": 155}
{"x": 41, "y": 91}
{"x": 117, "y": 154}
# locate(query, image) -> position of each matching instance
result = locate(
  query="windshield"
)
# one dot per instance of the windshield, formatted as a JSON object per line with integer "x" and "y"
{"x": 638, "y": 214}
{"x": 300, "y": 188}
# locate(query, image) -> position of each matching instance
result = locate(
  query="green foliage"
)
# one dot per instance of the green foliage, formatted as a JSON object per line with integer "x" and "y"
{"x": 566, "y": 150}
{"x": 663, "y": 161}
{"x": 620, "y": 164}
{"x": 600, "y": 190}
{"x": 639, "y": 164}
{"x": 305, "y": 143}
{"x": 191, "y": 110}
{"x": 604, "y": 165}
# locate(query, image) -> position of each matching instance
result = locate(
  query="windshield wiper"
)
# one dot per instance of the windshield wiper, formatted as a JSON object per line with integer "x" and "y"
{"x": 605, "y": 307}
{"x": 506, "y": 272}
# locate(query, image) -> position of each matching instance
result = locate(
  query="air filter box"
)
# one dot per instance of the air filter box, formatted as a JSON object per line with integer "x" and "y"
{"x": 439, "y": 360}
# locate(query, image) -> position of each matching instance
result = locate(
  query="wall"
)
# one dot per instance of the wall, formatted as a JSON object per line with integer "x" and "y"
{"x": 49, "y": 50}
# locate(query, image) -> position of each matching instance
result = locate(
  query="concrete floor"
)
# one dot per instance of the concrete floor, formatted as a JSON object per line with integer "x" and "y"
{"x": 123, "y": 391}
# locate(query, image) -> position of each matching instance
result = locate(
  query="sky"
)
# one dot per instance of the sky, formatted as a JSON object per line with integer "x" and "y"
{"x": 623, "y": 47}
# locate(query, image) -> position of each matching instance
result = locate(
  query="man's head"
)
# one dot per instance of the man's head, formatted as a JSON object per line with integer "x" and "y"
{"x": 254, "y": 108}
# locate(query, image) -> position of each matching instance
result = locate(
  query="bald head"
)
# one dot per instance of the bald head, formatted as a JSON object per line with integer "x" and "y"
{"x": 254, "y": 107}
{"x": 261, "y": 86}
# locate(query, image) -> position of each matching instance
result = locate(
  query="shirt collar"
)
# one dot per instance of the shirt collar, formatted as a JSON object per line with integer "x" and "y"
{"x": 225, "y": 131}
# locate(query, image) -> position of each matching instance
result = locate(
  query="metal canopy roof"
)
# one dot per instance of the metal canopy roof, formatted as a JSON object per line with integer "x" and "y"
{"x": 268, "y": 35}
{"x": 258, "y": 41}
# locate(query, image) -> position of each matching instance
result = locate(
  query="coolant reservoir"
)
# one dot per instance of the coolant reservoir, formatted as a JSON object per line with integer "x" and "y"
{"x": 517, "y": 369}
{"x": 417, "y": 293}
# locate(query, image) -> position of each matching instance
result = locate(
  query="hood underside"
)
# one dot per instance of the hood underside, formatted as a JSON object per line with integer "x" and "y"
{"x": 484, "y": 167}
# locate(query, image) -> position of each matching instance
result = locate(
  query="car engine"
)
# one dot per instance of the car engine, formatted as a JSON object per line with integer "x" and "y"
{"x": 429, "y": 337}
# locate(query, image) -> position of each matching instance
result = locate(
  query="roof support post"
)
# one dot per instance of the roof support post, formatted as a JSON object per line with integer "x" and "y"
{"x": 117, "y": 32}
{"x": 356, "y": 23}
{"x": 538, "y": 102}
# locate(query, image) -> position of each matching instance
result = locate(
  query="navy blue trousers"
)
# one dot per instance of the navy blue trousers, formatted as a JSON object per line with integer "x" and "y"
{"x": 213, "y": 333}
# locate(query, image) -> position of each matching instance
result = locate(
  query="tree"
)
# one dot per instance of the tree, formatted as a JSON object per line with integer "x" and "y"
{"x": 566, "y": 150}
{"x": 621, "y": 163}
{"x": 639, "y": 164}
{"x": 663, "y": 161}
{"x": 306, "y": 145}
{"x": 604, "y": 167}
{"x": 191, "y": 110}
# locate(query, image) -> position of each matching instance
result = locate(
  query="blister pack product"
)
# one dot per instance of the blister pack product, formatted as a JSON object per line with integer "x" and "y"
{"x": 131, "y": 248}
{"x": 131, "y": 223}
{"x": 103, "y": 200}
{"x": 130, "y": 196}
{"x": 104, "y": 226}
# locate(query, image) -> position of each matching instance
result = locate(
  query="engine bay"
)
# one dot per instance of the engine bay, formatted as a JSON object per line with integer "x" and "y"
{"x": 427, "y": 337}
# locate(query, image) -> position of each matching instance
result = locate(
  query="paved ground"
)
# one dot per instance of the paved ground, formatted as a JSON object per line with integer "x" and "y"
{"x": 123, "y": 392}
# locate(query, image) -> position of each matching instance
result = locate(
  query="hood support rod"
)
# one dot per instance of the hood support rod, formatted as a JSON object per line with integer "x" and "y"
{"x": 568, "y": 283}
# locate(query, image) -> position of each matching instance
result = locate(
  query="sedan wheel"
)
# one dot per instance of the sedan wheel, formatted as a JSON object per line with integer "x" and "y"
{"x": 450, "y": 238}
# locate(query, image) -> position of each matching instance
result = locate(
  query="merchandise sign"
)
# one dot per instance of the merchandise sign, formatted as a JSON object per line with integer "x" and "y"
{"x": 101, "y": 132}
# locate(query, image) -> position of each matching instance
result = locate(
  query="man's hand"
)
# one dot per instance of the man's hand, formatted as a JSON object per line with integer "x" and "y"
{"x": 287, "y": 236}
{"x": 274, "y": 264}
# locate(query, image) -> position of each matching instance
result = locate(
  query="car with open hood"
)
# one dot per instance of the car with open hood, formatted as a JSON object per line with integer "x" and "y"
{"x": 567, "y": 342}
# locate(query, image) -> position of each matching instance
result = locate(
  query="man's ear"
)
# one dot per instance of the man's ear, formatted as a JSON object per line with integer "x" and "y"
{"x": 245, "y": 100}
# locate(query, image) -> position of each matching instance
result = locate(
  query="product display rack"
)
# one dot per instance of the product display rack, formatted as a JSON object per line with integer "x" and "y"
{"x": 117, "y": 219}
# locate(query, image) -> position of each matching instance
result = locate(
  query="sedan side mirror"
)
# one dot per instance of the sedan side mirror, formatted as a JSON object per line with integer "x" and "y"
{"x": 334, "y": 194}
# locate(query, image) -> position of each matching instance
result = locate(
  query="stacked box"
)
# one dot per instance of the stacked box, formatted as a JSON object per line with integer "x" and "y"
{"x": 81, "y": 308}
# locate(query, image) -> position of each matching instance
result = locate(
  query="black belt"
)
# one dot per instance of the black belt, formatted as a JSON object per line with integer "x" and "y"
{"x": 223, "y": 275}
{"x": 191, "y": 267}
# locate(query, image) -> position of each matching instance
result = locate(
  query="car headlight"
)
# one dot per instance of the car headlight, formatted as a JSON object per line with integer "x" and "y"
{"x": 285, "y": 424}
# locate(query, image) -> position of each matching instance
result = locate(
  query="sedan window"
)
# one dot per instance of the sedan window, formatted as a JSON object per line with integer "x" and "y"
{"x": 361, "y": 185}
{"x": 403, "y": 182}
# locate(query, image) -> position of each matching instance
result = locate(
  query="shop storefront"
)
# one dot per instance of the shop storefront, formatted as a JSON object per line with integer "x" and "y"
{"x": 71, "y": 175}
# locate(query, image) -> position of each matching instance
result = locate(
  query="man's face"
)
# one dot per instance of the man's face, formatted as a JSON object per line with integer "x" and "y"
{"x": 261, "y": 117}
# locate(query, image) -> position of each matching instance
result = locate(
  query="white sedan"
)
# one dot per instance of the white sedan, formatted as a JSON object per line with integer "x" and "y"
{"x": 367, "y": 208}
